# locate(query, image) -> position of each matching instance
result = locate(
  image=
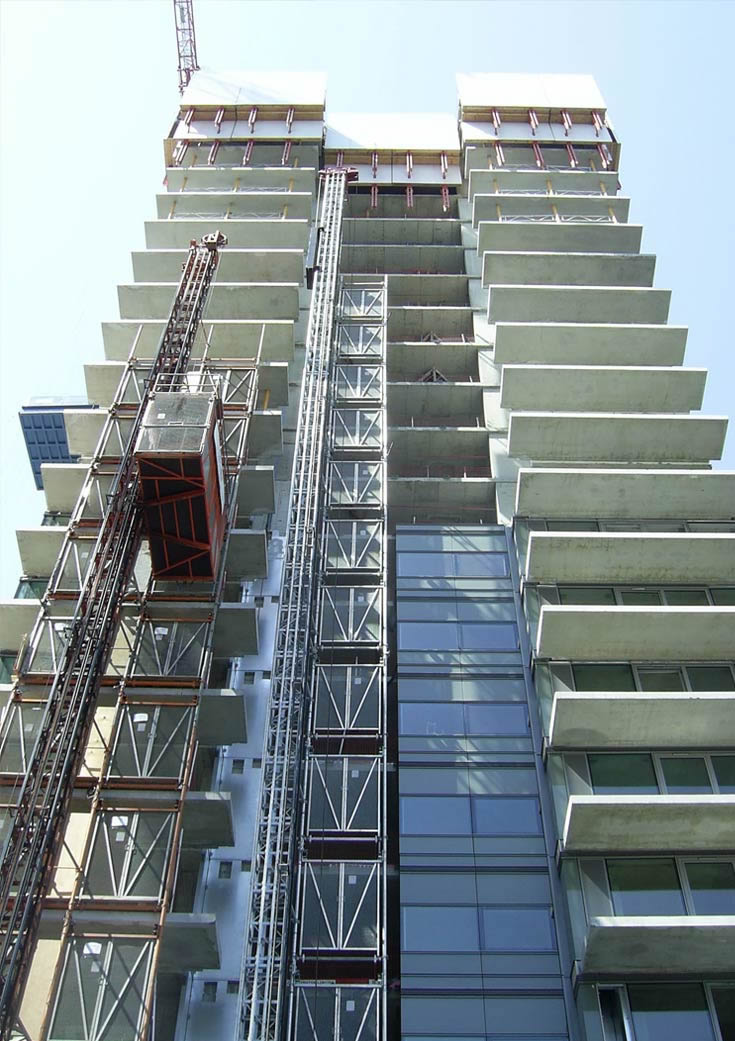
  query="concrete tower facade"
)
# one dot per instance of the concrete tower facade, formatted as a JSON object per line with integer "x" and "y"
{"x": 372, "y": 670}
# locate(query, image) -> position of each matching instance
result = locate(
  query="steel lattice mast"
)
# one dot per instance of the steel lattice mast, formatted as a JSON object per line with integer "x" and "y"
{"x": 186, "y": 42}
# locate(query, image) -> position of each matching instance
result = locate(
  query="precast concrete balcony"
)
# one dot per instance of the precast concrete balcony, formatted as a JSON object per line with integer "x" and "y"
{"x": 238, "y": 205}
{"x": 613, "y": 720}
{"x": 524, "y": 182}
{"x": 627, "y": 633}
{"x": 373, "y": 230}
{"x": 272, "y": 338}
{"x": 556, "y": 343}
{"x": 235, "y": 265}
{"x": 430, "y": 323}
{"x": 226, "y": 300}
{"x": 659, "y": 945}
{"x": 602, "y": 388}
{"x": 434, "y": 404}
{"x": 616, "y": 437}
{"x": 648, "y": 824}
{"x": 578, "y": 304}
{"x": 240, "y": 178}
{"x": 17, "y": 618}
{"x": 256, "y": 233}
{"x": 567, "y": 269}
{"x": 657, "y": 558}
{"x": 510, "y": 206}
{"x": 625, "y": 494}
{"x": 550, "y": 236}
{"x": 411, "y": 362}
{"x": 402, "y": 259}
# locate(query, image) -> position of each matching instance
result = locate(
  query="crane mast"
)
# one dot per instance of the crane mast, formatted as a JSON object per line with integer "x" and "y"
{"x": 39, "y": 817}
{"x": 186, "y": 42}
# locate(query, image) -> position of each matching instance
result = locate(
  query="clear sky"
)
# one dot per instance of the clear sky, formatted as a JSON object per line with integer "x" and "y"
{"x": 89, "y": 90}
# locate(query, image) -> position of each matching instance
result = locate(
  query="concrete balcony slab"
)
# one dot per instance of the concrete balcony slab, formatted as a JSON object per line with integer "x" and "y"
{"x": 226, "y": 300}
{"x": 256, "y": 490}
{"x": 437, "y": 451}
{"x": 370, "y": 229}
{"x": 550, "y": 236}
{"x": 432, "y": 404}
{"x": 273, "y": 384}
{"x": 224, "y": 340}
{"x": 556, "y": 343}
{"x": 567, "y": 269}
{"x": 483, "y": 182}
{"x": 230, "y": 205}
{"x": 648, "y": 823}
{"x": 83, "y": 429}
{"x": 235, "y": 265}
{"x": 406, "y": 259}
{"x": 189, "y": 943}
{"x": 502, "y": 206}
{"x": 240, "y": 178}
{"x": 460, "y": 499}
{"x": 411, "y": 361}
{"x": 701, "y": 944}
{"x": 17, "y": 618}
{"x": 602, "y": 388}
{"x": 616, "y": 437}
{"x": 235, "y": 632}
{"x": 600, "y": 304}
{"x": 247, "y": 554}
{"x": 265, "y": 435}
{"x": 582, "y": 633}
{"x": 604, "y": 720}
{"x": 626, "y": 494}
{"x": 62, "y": 483}
{"x": 427, "y": 290}
{"x": 39, "y": 548}
{"x": 207, "y": 820}
{"x": 631, "y": 557}
{"x": 241, "y": 234}
{"x": 433, "y": 323}
{"x": 222, "y": 718}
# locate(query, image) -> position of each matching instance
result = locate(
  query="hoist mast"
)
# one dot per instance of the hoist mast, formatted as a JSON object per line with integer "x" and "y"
{"x": 265, "y": 963}
{"x": 85, "y": 643}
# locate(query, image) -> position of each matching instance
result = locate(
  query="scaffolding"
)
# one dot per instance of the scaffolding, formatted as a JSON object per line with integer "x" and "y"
{"x": 71, "y": 645}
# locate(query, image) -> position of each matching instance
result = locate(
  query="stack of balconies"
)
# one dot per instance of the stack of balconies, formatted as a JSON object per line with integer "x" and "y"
{"x": 625, "y": 540}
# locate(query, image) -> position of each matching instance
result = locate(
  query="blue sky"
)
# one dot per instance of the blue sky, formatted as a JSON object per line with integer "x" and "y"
{"x": 89, "y": 90}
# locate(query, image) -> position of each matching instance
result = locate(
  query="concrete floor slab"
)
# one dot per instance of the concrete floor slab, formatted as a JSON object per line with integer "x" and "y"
{"x": 649, "y": 824}
{"x": 272, "y": 338}
{"x": 602, "y": 388}
{"x": 701, "y": 944}
{"x": 482, "y": 182}
{"x": 601, "y": 304}
{"x": 485, "y": 207}
{"x": 566, "y": 268}
{"x": 153, "y": 300}
{"x": 257, "y": 233}
{"x": 17, "y": 618}
{"x": 558, "y": 343}
{"x": 550, "y": 236}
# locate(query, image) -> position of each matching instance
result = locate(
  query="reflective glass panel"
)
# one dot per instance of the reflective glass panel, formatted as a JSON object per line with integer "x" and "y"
{"x": 440, "y": 929}
{"x": 685, "y": 775}
{"x": 495, "y": 815}
{"x": 645, "y": 887}
{"x": 624, "y": 773}
{"x": 496, "y": 719}
{"x": 435, "y": 815}
{"x": 670, "y": 1012}
{"x": 517, "y": 929}
{"x": 713, "y": 886}
{"x": 431, "y": 717}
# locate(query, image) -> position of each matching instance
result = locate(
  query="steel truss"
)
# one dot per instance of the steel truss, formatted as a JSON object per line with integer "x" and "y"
{"x": 265, "y": 956}
{"x": 69, "y": 653}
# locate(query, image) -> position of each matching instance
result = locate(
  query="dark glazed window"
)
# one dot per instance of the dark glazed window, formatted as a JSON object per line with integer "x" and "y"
{"x": 713, "y": 886}
{"x": 670, "y": 1012}
{"x": 710, "y": 677}
{"x": 645, "y": 887}
{"x": 431, "y": 717}
{"x": 724, "y": 1001}
{"x": 685, "y": 775}
{"x": 609, "y": 678}
{"x": 724, "y": 767}
{"x": 496, "y": 719}
{"x": 665, "y": 680}
{"x": 437, "y": 928}
{"x": 622, "y": 774}
{"x": 517, "y": 929}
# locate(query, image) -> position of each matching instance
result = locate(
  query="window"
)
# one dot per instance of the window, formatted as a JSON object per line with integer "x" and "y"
{"x": 639, "y": 597}
{"x": 645, "y": 887}
{"x": 724, "y": 767}
{"x": 435, "y": 815}
{"x": 517, "y": 929}
{"x": 710, "y": 677}
{"x": 496, "y": 719}
{"x": 686, "y": 597}
{"x": 685, "y": 775}
{"x": 225, "y": 869}
{"x": 723, "y": 597}
{"x": 238, "y": 766}
{"x": 666, "y": 680}
{"x": 602, "y": 596}
{"x": 608, "y": 678}
{"x": 233, "y": 986}
{"x": 622, "y": 774}
{"x": 496, "y": 815}
{"x": 670, "y": 1012}
{"x": 209, "y": 992}
{"x": 723, "y": 999}
{"x": 430, "y": 718}
{"x": 712, "y": 885}
{"x": 439, "y": 928}
{"x": 449, "y": 636}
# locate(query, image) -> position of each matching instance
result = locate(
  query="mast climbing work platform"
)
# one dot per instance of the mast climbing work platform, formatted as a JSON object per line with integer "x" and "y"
{"x": 81, "y": 647}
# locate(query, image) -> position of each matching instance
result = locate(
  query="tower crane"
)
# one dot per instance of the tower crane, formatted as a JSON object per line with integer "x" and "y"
{"x": 185, "y": 41}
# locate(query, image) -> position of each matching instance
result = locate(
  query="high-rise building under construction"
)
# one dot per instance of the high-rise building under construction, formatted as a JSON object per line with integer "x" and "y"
{"x": 372, "y": 671}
